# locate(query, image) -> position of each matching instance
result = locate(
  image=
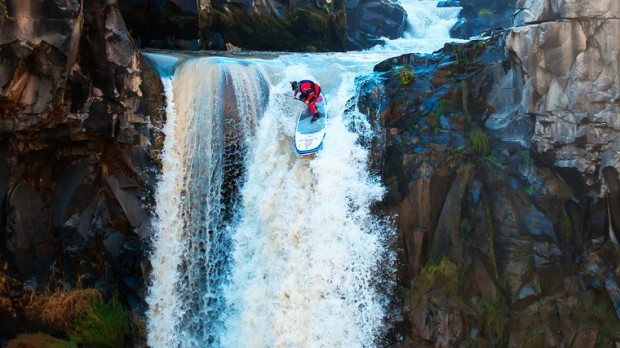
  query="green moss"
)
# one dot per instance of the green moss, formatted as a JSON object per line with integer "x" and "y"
{"x": 444, "y": 274}
{"x": 479, "y": 142}
{"x": 405, "y": 75}
{"x": 555, "y": 185}
{"x": 104, "y": 325}
{"x": 530, "y": 190}
{"x": 485, "y": 12}
{"x": 433, "y": 120}
{"x": 465, "y": 99}
{"x": 494, "y": 161}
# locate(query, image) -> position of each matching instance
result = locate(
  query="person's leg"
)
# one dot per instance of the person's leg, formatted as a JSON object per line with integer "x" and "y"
{"x": 314, "y": 111}
{"x": 312, "y": 107}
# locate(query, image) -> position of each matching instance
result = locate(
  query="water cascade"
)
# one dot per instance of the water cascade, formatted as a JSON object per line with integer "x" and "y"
{"x": 255, "y": 246}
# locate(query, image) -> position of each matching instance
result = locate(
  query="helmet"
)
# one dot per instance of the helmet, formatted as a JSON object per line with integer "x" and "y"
{"x": 294, "y": 85}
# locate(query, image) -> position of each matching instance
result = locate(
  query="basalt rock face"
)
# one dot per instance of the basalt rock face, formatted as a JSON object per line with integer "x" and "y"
{"x": 78, "y": 138}
{"x": 571, "y": 70}
{"x": 275, "y": 25}
{"x": 300, "y": 25}
{"x": 502, "y": 171}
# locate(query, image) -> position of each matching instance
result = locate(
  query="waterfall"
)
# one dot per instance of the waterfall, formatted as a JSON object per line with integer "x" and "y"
{"x": 255, "y": 246}
{"x": 211, "y": 118}
{"x": 307, "y": 247}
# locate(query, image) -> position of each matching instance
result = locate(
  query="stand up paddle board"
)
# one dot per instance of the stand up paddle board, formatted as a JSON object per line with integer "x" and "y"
{"x": 309, "y": 135}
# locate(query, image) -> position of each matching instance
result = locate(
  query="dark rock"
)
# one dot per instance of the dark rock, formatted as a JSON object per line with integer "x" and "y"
{"x": 80, "y": 121}
{"x": 610, "y": 175}
{"x": 69, "y": 187}
{"x": 12, "y": 326}
{"x": 113, "y": 243}
{"x": 28, "y": 240}
{"x": 173, "y": 24}
{"x": 132, "y": 205}
{"x": 304, "y": 25}
{"x": 5, "y": 173}
{"x": 369, "y": 21}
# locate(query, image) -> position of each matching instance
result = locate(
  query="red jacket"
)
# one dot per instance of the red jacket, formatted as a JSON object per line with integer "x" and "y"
{"x": 308, "y": 91}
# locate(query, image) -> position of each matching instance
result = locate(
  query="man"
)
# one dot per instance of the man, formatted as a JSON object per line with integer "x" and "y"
{"x": 309, "y": 93}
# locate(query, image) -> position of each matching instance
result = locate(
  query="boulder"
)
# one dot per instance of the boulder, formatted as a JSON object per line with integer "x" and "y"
{"x": 370, "y": 21}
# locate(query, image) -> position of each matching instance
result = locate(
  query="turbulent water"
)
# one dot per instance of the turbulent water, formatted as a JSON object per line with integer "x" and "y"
{"x": 254, "y": 245}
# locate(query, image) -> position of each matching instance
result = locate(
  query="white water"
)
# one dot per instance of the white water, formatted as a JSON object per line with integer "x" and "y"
{"x": 285, "y": 251}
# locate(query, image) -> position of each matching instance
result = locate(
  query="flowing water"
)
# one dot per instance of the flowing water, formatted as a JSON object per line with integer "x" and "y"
{"x": 258, "y": 247}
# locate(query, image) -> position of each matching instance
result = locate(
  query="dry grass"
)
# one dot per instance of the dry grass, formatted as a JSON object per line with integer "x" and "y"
{"x": 61, "y": 308}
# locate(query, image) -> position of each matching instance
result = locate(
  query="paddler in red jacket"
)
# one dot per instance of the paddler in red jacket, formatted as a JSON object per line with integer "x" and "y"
{"x": 309, "y": 93}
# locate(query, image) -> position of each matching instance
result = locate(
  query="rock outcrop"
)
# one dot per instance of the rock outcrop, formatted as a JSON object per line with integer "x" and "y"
{"x": 570, "y": 63}
{"x": 368, "y": 22}
{"x": 79, "y": 118}
{"x": 502, "y": 168}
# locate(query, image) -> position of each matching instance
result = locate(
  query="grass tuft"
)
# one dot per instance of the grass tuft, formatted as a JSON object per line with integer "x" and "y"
{"x": 479, "y": 142}
{"x": 443, "y": 274}
{"x": 61, "y": 308}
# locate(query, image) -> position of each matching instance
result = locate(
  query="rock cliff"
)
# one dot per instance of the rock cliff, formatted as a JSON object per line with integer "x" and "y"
{"x": 273, "y": 25}
{"x": 502, "y": 168}
{"x": 79, "y": 118}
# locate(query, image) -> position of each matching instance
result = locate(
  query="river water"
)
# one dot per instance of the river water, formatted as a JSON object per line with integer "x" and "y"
{"x": 255, "y": 246}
